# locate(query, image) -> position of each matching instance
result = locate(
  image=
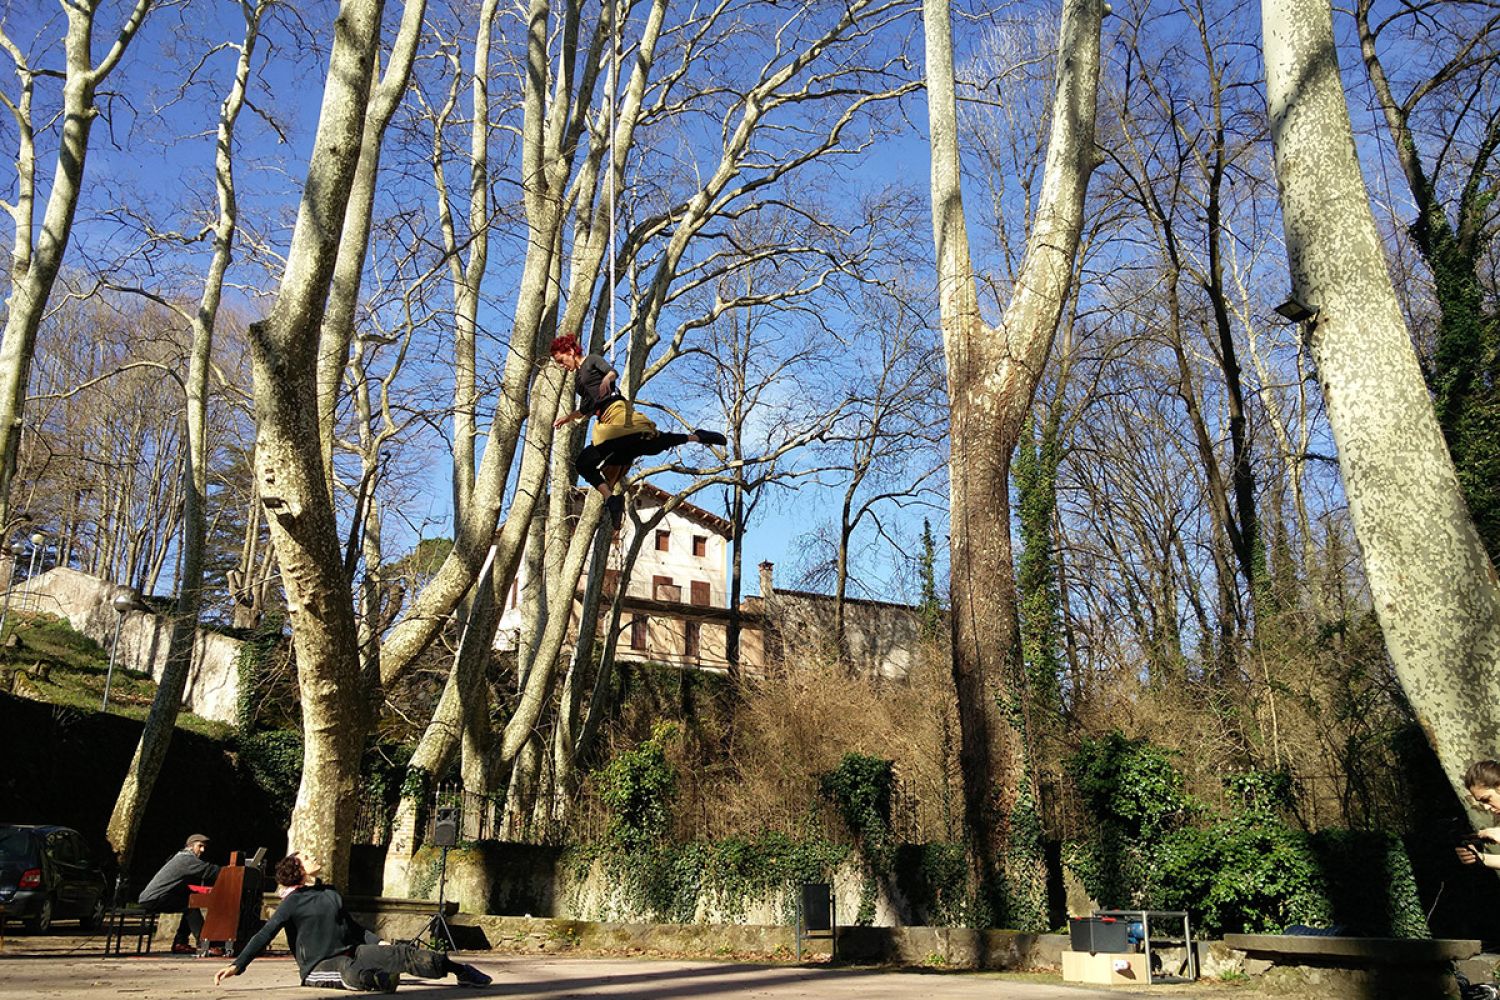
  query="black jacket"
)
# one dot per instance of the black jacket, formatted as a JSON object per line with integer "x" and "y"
{"x": 168, "y": 889}
{"x": 317, "y": 928}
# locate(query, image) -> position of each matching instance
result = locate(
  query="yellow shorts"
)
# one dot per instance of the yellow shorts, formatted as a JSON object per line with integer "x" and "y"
{"x": 617, "y": 420}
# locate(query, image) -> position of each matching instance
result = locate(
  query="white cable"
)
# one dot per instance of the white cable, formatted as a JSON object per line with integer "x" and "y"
{"x": 614, "y": 83}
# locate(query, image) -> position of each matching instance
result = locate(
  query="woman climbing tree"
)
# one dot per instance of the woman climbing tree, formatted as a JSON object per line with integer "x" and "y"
{"x": 620, "y": 435}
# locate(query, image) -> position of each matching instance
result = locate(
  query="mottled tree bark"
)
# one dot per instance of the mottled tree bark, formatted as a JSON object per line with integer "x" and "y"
{"x": 992, "y": 374}
{"x": 1433, "y": 587}
{"x": 289, "y": 471}
{"x": 337, "y": 328}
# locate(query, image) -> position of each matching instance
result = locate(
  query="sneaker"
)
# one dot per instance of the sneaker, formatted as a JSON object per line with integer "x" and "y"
{"x": 468, "y": 975}
{"x": 710, "y": 437}
{"x": 615, "y": 506}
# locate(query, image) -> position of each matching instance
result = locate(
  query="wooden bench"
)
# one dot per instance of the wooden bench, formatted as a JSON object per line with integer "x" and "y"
{"x": 121, "y": 922}
{"x": 1396, "y": 968}
{"x": 124, "y": 920}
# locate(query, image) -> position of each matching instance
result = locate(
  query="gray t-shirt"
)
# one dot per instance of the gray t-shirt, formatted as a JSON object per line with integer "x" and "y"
{"x": 589, "y": 380}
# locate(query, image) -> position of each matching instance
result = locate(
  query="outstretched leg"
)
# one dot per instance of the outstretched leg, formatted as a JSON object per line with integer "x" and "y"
{"x": 637, "y": 446}
{"x": 378, "y": 966}
{"x": 604, "y": 465}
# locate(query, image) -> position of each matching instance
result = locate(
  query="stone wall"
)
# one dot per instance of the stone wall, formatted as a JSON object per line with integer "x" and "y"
{"x": 526, "y": 880}
{"x": 940, "y": 947}
{"x": 884, "y": 639}
{"x": 85, "y": 601}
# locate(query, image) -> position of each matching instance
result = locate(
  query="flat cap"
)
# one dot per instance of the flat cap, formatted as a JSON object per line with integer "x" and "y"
{"x": 196, "y": 838}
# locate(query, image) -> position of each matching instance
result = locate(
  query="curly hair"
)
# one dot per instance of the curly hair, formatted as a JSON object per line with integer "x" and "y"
{"x": 565, "y": 344}
{"x": 289, "y": 871}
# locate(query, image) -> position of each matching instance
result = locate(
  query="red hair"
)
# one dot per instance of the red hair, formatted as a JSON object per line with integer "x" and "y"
{"x": 566, "y": 344}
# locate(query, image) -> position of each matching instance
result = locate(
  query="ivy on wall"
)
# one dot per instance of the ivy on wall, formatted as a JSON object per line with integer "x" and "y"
{"x": 861, "y": 789}
{"x": 655, "y": 879}
{"x": 1154, "y": 847}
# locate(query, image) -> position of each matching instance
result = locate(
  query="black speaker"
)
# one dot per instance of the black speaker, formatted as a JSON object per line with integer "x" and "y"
{"x": 445, "y": 827}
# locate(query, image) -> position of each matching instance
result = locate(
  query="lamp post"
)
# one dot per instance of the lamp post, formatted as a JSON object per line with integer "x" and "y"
{"x": 37, "y": 541}
{"x": 123, "y": 601}
{"x": 17, "y": 550}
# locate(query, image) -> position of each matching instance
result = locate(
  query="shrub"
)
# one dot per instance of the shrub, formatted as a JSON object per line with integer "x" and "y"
{"x": 1130, "y": 784}
{"x": 861, "y": 788}
{"x": 274, "y": 760}
{"x": 638, "y": 786}
{"x": 1248, "y": 871}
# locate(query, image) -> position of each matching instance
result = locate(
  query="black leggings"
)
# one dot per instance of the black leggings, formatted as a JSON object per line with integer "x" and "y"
{"x": 622, "y": 451}
{"x": 355, "y": 970}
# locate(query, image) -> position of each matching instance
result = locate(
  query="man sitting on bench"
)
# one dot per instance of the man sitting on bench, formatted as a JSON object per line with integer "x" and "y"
{"x": 169, "y": 888}
{"x": 331, "y": 948}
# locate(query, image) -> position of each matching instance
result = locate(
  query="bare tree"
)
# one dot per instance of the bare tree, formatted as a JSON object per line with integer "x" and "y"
{"x": 1438, "y": 99}
{"x": 992, "y": 374}
{"x": 37, "y": 256}
{"x": 886, "y": 448}
{"x": 130, "y": 806}
{"x": 289, "y": 471}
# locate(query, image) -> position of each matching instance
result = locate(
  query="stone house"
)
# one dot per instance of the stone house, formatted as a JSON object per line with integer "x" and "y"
{"x": 675, "y": 609}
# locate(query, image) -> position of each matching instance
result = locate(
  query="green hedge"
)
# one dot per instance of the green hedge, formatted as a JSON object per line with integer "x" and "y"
{"x": 1249, "y": 871}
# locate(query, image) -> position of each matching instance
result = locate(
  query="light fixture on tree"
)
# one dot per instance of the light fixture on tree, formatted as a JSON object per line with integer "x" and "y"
{"x": 123, "y": 601}
{"x": 1293, "y": 310}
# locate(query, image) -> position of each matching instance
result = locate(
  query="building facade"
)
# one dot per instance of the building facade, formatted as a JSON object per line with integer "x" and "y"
{"x": 676, "y": 605}
{"x": 675, "y": 608}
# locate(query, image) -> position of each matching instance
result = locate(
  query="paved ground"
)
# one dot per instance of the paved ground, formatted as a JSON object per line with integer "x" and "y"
{"x": 65, "y": 966}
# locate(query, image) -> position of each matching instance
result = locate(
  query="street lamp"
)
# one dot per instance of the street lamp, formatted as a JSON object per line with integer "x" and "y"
{"x": 1295, "y": 311}
{"x": 123, "y": 601}
{"x": 37, "y": 540}
{"x": 17, "y": 550}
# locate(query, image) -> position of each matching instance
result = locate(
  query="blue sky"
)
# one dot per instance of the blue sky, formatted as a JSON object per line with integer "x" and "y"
{"x": 152, "y": 157}
{"x": 152, "y": 154}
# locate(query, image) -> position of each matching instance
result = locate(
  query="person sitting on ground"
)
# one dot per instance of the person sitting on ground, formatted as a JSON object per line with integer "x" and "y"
{"x": 1482, "y": 779}
{"x": 169, "y": 888}
{"x": 620, "y": 434}
{"x": 331, "y": 948}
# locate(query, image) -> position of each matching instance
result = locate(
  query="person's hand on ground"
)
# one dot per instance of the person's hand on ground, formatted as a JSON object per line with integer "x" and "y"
{"x": 225, "y": 973}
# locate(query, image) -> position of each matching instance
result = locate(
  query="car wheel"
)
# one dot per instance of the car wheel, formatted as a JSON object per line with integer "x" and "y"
{"x": 42, "y": 922}
{"x": 94, "y": 919}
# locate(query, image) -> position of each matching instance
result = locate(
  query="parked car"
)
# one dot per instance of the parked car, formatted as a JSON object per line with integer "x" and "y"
{"x": 48, "y": 873}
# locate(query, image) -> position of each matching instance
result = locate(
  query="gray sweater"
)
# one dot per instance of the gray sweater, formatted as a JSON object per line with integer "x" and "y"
{"x": 168, "y": 888}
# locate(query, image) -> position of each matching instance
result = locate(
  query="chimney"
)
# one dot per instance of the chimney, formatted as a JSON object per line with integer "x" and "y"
{"x": 766, "y": 590}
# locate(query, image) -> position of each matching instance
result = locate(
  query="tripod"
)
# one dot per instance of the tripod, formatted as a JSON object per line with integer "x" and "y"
{"x": 437, "y": 930}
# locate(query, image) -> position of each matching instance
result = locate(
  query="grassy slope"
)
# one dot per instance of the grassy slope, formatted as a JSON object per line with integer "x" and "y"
{"x": 52, "y": 663}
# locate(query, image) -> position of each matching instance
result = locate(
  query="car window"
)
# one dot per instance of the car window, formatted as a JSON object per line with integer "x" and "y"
{"x": 60, "y": 846}
{"x": 15, "y": 844}
{"x": 81, "y": 852}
